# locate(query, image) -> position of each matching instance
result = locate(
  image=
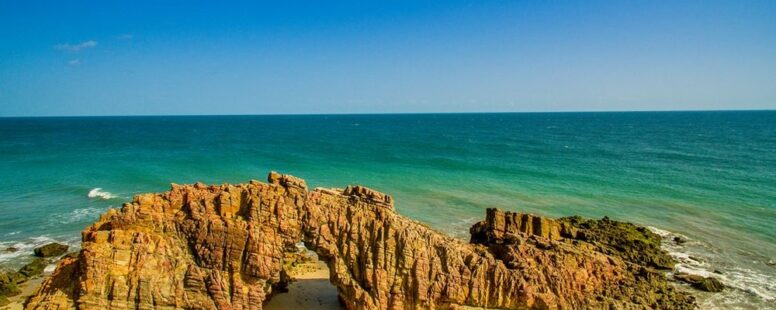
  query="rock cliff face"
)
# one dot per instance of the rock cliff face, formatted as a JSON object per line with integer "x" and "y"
{"x": 223, "y": 247}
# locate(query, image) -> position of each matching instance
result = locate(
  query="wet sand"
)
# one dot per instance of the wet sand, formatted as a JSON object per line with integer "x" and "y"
{"x": 310, "y": 290}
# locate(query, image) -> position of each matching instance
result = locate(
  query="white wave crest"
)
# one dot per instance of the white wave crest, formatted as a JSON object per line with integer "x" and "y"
{"x": 99, "y": 193}
{"x": 659, "y": 232}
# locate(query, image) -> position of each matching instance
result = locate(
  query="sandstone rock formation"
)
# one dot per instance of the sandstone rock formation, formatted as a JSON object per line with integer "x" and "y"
{"x": 225, "y": 247}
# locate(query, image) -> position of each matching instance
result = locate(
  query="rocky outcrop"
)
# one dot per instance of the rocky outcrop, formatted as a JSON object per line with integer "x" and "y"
{"x": 9, "y": 285}
{"x": 229, "y": 247}
{"x": 51, "y": 249}
{"x": 555, "y": 254}
{"x": 196, "y": 247}
{"x": 708, "y": 284}
{"x": 632, "y": 243}
{"x": 12, "y": 282}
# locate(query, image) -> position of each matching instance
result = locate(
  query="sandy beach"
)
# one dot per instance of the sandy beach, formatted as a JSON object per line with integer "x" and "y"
{"x": 310, "y": 290}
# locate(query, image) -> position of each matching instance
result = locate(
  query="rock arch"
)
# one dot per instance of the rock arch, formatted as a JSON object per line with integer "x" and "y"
{"x": 223, "y": 247}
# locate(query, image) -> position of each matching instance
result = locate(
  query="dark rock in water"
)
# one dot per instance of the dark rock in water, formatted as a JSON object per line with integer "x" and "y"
{"x": 708, "y": 284}
{"x": 633, "y": 243}
{"x": 680, "y": 240}
{"x": 51, "y": 249}
{"x": 689, "y": 278}
{"x": 34, "y": 268}
{"x": 771, "y": 262}
{"x": 11, "y": 249}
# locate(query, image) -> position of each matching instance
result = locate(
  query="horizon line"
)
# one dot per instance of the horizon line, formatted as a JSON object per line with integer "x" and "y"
{"x": 390, "y": 113}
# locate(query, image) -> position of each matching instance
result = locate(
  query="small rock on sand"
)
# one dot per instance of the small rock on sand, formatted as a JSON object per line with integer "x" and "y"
{"x": 310, "y": 290}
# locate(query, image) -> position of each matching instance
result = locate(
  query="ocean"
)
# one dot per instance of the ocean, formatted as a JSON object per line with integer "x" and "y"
{"x": 707, "y": 176}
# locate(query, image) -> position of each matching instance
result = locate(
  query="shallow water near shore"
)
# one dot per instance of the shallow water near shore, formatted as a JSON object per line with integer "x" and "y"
{"x": 709, "y": 177}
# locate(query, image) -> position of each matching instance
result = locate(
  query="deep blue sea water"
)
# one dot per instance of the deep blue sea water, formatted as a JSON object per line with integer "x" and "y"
{"x": 709, "y": 176}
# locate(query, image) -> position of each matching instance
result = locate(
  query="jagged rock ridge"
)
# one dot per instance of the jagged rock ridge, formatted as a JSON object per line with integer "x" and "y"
{"x": 223, "y": 247}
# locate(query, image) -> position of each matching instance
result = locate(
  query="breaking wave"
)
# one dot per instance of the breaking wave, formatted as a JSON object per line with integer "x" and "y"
{"x": 746, "y": 287}
{"x": 99, "y": 193}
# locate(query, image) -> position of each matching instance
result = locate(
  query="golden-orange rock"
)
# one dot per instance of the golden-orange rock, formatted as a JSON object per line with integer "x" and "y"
{"x": 223, "y": 247}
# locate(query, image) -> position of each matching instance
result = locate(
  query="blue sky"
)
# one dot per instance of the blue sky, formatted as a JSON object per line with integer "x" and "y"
{"x": 188, "y": 57}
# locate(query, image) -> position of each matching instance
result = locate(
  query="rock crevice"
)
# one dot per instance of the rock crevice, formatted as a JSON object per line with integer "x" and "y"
{"x": 224, "y": 247}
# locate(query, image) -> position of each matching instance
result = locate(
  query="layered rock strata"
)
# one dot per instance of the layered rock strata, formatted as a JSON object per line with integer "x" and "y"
{"x": 225, "y": 247}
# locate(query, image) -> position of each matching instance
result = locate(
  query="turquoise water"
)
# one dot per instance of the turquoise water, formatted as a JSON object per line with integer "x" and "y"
{"x": 710, "y": 176}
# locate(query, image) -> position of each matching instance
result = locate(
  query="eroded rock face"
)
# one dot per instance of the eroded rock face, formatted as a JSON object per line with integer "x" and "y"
{"x": 633, "y": 243}
{"x": 196, "y": 247}
{"x": 224, "y": 247}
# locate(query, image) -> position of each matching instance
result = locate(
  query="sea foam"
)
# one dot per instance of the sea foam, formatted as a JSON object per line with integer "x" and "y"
{"x": 24, "y": 249}
{"x": 84, "y": 215}
{"x": 99, "y": 193}
{"x": 695, "y": 257}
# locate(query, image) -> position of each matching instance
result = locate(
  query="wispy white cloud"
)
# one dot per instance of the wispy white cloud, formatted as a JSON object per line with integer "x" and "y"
{"x": 126, "y": 36}
{"x": 74, "y": 62}
{"x": 75, "y": 47}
